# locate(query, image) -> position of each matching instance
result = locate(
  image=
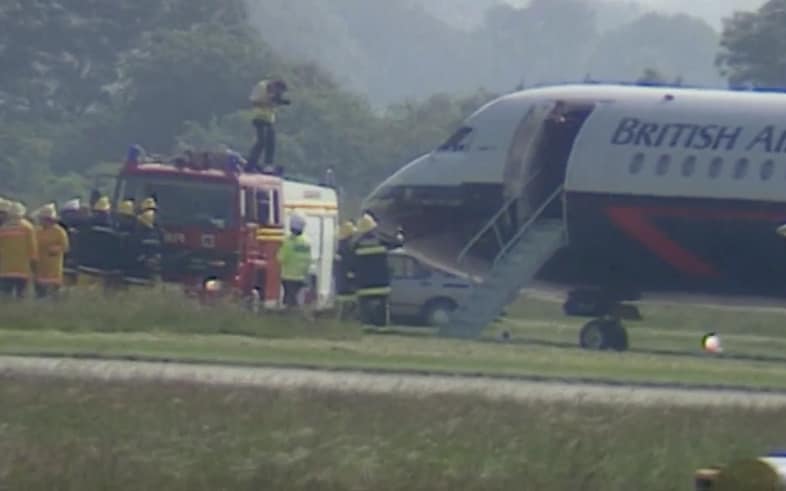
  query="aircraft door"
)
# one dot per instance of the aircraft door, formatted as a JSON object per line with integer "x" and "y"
{"x": 520, "y": 167}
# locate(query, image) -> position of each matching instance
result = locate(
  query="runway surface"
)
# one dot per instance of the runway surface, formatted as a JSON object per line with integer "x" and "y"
{"x": 382, "y": 383}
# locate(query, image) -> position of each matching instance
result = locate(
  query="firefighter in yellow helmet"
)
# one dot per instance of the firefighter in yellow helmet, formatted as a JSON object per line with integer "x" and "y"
{"x": 343, "y": 269}
{"x": 144, "y": 252}
{"x": 372, "y": 274}
{"x": 294, "y": 255}
{"x": 18, "y": 251}
{"x": 97, "y": 257}
{"x": 53, "y": 244}
{"x": 266, "y": 97}
{"x": 148, "y": 204}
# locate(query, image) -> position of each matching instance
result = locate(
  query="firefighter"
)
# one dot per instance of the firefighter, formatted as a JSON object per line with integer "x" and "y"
{"x": 294, "y": 256}
{"x": 53, "y": 244}
{"x": 343, "y": 269}
{"x": 148, "y": 204}
{"x": 372, "y": 274}
{"x": 18, "y": 252}
{"x": 266, "y": 97}
{"x": 143, "y": 256}
{"x": 71, "y": 218}
{"x": 97, "y": 257}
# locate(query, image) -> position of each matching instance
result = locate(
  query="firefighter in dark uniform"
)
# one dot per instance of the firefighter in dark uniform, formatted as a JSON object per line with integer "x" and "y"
{"x": 343, "y": 270}
{"x": 97, "y": 257}
{"x": 126, "y": 225}
{"x": 372, "y": 274}
{"x": 143, "y": 268}
{"x": 72, "y": 217}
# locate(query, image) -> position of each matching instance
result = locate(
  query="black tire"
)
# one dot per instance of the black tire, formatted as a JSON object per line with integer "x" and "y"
{"x": 604, "y": 335}
{"x": 437, "y": 313}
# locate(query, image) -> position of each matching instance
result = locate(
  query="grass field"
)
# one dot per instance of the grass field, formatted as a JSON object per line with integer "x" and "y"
{"x": 71, "y": 435}
{"x": 168, "y": 325}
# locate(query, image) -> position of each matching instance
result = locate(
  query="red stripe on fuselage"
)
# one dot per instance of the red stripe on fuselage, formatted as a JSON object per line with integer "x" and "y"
{"x": 636, "y": 223}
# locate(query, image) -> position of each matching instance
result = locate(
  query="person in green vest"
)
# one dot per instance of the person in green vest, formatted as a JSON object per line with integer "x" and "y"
{"x": 294, "y": 256}
{"x": 266, "y": 97}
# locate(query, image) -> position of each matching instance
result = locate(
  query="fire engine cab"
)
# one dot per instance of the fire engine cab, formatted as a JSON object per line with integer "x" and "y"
{"x": 223, "y": 227}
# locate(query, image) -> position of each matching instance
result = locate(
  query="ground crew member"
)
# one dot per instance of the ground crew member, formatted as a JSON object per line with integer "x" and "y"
{"x": 266, "y": 97}
{"x": 343, "y": 270}
{"x": 294, "y": 256}
{"x": 372, "y": 274}
{"x": 71, "y": 218}
{"x": 143, "y": 254}
{"x": 99, "y": 243}
{"x": 125, "y": 225}
{"x": 18, "y": 250}
{"x": 53, "y": 244}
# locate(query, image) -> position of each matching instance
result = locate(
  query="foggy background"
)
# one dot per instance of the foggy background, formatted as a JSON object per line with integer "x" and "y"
{"x": 394, "y": 50}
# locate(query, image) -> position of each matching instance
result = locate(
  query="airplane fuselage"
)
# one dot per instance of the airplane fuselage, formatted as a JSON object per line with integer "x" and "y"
{"x": 662, "y": 189}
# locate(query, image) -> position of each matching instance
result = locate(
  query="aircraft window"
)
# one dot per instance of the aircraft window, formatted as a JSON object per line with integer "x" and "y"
{"x": 741, "y": 168}
{"x": 458, "y": 141}
{"x": 688, "y": 166}
{"x": 636, "y": 163}
{"x": 716, "y": 166}
{"x": 663, "y": 165}
{"x": 767, "y": 168}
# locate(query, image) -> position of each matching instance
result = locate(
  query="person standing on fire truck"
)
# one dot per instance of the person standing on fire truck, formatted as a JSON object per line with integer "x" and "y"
{"x": 18, "y": 252}
{"x": 266, "y": 97}
{"x": 295, "y": 259}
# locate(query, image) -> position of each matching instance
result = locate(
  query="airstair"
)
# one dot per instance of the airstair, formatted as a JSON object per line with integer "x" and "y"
{"x": 519, "y": 258}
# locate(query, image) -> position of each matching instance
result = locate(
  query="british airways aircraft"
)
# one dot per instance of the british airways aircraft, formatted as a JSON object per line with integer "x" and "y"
{"x": 658, "y": 189}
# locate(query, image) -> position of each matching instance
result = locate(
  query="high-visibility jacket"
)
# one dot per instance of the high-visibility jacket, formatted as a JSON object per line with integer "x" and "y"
{"x": 343, "y": 269}
{"x": 18, "y": 249}
{"x": 53, "y": 244}
{"x": 264, "y": 107}
{"x": 295, "y": 258}
{"x": 372, "y": 273}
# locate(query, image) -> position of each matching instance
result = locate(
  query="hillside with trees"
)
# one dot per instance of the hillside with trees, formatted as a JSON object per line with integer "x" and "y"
{"x": 81, "y": 81}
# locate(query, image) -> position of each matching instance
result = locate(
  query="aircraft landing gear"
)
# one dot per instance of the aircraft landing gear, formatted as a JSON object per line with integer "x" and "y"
{"x": 604, "y": 335}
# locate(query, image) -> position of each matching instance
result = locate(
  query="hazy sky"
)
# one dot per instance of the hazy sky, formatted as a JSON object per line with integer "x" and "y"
{"x": 711, "y": 10}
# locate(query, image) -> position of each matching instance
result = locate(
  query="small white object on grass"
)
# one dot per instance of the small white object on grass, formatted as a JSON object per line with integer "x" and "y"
{"x": 711, "y": 343}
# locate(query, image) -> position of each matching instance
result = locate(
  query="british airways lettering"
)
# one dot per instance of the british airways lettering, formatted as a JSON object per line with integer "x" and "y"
{"x": 635, "y": 132}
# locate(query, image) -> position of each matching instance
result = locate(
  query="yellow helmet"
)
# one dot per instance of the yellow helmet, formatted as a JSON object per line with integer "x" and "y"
{"x": 126, "y": 208}
{"x": 148, "y": 204}
{"x": 17, "y": 210}
{"x": 148, "y": 218}
{"x": 102, "y": 205}
{"x": 366, "y": 224}
{"x": 5, "y": 205}
{"x": 346, "y": 230}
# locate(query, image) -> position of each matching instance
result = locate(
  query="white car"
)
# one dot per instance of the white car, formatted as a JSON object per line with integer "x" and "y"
{"x": 421, "y": 295}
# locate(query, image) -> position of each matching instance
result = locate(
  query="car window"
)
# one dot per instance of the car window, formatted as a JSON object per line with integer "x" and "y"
{"x": 405, "y": 267}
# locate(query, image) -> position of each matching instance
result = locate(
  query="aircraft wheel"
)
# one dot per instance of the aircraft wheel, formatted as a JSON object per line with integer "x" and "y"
{"x": 603, "y": 335}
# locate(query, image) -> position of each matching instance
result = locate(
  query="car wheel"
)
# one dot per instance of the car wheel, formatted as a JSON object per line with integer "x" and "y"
{"x": 438, "y": 313}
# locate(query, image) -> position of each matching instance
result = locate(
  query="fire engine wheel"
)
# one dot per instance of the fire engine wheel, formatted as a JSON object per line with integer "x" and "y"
{"x": 603, "y": 335}
{"x": 438, "y": 313}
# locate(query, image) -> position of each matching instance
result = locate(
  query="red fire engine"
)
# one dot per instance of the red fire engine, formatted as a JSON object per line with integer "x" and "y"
{"x": 222, "y": 227}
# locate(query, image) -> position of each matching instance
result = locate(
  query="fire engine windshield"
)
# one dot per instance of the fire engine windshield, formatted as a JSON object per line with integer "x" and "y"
{"x": 183, "y": 202}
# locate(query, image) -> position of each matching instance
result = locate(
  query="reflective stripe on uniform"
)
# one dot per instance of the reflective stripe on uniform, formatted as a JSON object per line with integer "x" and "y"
{"x": 367, "y": 251}
{"x": 367, "y": 292}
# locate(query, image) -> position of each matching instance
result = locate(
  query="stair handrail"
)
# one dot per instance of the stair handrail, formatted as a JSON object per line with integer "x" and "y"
{"x": 523, "y": 229}
{"x": 494, "y": 219}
